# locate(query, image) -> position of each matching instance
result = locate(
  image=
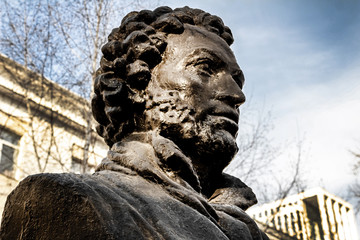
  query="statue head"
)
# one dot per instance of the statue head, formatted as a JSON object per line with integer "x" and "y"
{"x": 171, "y": 71}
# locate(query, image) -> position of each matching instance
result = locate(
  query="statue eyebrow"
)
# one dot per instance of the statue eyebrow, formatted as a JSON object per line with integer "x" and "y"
{"x": 200, "y": 53}
{"x": 203, "y": 53}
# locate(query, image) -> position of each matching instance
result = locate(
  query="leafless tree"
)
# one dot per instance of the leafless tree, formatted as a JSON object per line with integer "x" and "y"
{"x": 28, "y": 37}
{"x": 256, "y": 162}
{"x": 275, "y": 185}
{"x": 60, "y": 41}
{"x": 256, "y": 151}
{"x": 84, "y": 30}
{"x": 354, "y": 188}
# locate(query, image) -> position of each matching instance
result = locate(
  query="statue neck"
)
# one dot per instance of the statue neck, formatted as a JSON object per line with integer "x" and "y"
{"x": 209, "y": 177}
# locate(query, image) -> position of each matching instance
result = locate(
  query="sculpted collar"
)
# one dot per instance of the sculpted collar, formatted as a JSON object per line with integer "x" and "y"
{"x": 160, "y": 160}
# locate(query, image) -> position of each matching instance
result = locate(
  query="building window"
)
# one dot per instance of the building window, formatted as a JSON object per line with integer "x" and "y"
{"x": 286, "y": 229}
{"x": 279, "y": 223}
{"x": 77, "y": 162}
{"x": 299, "y": 220}
{"x": 293, "y": 222}
{"x": 8, "y": 150}
{"x": 77, "y": 158}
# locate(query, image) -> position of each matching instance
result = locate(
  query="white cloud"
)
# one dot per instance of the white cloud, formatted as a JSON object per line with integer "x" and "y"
{"x": 329, "y": 115}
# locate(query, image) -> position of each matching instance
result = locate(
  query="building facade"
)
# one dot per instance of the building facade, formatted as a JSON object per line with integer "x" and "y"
{"x": 43, "y": 128}
{"x": 313, "y": 214}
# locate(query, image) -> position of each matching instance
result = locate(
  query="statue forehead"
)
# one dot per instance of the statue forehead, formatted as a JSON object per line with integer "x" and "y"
{"x": 195, "y": 44}
{"x": 194, "y": 37}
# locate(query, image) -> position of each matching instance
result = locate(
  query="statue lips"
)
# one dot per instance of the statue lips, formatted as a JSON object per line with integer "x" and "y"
{"x": 226, "y": 118}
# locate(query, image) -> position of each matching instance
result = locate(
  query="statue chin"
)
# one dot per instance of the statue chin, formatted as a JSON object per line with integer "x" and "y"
{"x": 205, "y": 140}
{"x": 215, "y": 145}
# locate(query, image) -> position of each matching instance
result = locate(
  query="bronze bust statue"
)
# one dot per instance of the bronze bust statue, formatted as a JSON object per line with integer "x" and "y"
{"x": 166, "y": 98}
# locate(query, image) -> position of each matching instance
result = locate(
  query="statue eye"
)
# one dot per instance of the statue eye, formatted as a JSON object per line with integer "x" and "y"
{"x": 239, "y": 78}
{"x": 205, "y": 66}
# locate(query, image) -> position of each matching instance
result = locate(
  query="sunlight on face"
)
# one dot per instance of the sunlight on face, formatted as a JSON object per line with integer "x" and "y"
{"x": 195, "y": 93}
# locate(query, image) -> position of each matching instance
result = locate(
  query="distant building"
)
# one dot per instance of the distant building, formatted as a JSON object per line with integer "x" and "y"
{"x": 313, "y": 214}
{"x": 42, "y": 128}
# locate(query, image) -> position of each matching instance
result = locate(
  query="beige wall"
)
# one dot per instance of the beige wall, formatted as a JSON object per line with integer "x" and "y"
{"x": 51, "y": 128}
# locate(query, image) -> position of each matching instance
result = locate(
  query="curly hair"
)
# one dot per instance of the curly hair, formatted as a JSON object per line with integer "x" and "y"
{"x": 130, "y": 54}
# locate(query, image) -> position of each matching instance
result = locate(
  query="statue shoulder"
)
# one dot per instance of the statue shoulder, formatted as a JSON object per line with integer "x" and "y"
{"x": 47, "y": 204}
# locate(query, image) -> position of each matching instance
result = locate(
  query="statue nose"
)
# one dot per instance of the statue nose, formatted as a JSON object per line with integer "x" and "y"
{"x": 229, "y": 91}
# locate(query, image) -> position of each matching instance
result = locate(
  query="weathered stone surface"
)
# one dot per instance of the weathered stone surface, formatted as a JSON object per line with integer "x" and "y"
{"x": 166, "y": 98}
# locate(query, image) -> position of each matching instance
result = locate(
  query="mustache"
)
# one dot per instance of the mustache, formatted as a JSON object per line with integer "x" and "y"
{"x": 223, "y": 110}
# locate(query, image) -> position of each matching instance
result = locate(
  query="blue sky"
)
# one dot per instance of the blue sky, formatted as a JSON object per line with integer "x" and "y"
{"x": 301, "y": 60}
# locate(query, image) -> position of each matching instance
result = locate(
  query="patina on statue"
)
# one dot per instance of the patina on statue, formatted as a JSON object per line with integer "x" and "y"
{"x": 166, "y": 98}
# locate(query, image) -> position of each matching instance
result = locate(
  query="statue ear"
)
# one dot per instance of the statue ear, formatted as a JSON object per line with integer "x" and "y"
{"x": 138, "y": 75}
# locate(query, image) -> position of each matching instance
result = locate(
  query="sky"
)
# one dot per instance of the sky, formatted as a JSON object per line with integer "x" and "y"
{"x": 301, "y": 61}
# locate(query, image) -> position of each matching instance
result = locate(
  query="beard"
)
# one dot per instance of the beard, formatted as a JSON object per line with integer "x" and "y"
{"x": 213, "y": 142}
{"x": 206, "y": 139}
